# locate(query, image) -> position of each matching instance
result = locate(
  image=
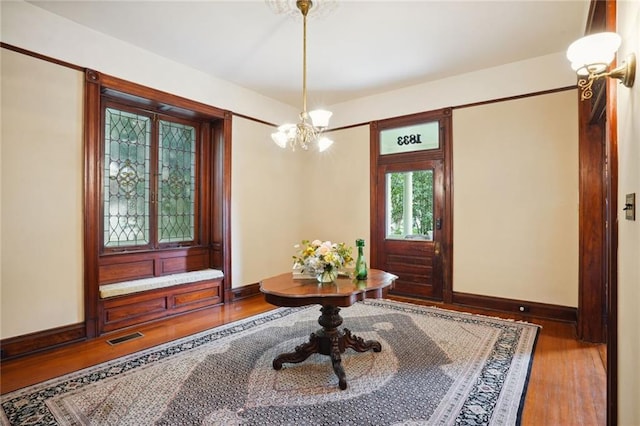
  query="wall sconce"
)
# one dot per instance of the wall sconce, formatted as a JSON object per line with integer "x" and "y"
{"x": 590, "y": 57}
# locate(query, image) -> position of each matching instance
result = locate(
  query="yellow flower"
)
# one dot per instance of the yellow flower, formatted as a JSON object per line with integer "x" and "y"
{"x": 316, "y": 256}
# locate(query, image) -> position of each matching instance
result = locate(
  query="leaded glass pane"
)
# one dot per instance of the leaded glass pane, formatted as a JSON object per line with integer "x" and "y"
{"x": 126, "y": 178}
{"x": 176, "y": 182}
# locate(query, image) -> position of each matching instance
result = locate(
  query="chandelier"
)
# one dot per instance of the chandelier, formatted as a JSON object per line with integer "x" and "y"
{"x": 309, "y": 129}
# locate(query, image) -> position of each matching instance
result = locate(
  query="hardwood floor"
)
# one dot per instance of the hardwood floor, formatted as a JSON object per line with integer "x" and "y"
{"x": 567, "y": 384}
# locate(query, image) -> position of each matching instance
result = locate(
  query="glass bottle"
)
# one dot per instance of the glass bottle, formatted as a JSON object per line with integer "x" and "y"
{"x": 360, "y": 272}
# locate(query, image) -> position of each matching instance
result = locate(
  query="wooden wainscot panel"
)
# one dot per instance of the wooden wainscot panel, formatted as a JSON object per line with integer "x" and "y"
{"x": 118, "y": 272}
{"x": 136, "y": 312}
{"x": 128, "y": 310}
{"x": 411, "y": 289}
{"x": 189, "y": 262}
{"x": 135, "y": 309}
{"x": 204, "y": 294}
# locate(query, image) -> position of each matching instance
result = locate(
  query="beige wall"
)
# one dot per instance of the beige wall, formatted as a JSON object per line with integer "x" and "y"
{"x": 629, "y": 231}
{"x": 528, "y": 76}
{"x": 30, "y": 27}
{"x": 281, "y": 197}
{"x": 336, "y": 189}
{"x": 41, "y": 217}
{"x": 266, "y": 203}
{"x": 515, "y": 199}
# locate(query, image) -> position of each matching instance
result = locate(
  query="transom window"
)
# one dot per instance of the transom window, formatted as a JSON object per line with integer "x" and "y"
{"x": 412, "y": 138}
{"x": 149, "y": 179}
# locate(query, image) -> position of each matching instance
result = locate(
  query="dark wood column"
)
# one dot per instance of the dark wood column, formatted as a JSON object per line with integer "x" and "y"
{"x": 592, "y": 295}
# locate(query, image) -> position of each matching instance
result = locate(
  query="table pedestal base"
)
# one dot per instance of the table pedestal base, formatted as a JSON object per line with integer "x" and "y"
{"x": 329, "y": 341}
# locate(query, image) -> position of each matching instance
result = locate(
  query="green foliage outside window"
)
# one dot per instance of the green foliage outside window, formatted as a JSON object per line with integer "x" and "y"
{"x": 422, "y": 202}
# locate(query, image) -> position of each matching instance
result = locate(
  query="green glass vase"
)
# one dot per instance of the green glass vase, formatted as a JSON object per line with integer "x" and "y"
{"x": 360, "y": 271}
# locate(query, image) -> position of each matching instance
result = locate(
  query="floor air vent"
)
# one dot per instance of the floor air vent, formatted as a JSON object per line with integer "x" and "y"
{"x": 126, "y": 338}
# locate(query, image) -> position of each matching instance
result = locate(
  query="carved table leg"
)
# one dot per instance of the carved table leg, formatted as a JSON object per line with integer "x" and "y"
{"x": 329, "y": 341}
{"x": 336, "y": 361}
{"x": 358, "y": 344}
{"x": 300, "y": 353}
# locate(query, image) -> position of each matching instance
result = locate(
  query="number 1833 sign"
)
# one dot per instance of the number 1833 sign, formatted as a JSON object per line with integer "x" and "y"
{"x": 419, "y": 137}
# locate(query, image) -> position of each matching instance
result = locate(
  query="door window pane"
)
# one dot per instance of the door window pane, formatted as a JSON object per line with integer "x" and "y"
{"x": 176, "y": 182}
{"x": 409, "y": 198}
{"x": 126, "y": 178}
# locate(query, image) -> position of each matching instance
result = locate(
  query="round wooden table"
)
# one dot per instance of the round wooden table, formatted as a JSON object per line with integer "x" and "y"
{"x": 284, "y": 290}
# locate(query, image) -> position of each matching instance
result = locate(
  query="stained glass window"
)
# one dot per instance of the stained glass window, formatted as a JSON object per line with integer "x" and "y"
{"x": 149, "y": 180}
{"x": 176, "y": 182}
{"x": 126, "y": 178}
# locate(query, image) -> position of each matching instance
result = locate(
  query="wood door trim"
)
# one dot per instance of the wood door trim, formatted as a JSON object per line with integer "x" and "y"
{"x": 602, "y": 17}
{"x": 611, "y": 237}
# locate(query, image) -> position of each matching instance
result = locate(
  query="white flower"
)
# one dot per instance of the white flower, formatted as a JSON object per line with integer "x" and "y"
{"x": 318, "y": 256}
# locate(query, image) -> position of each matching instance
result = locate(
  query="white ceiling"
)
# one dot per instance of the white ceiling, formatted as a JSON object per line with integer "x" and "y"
{"x": 354, "y": 48}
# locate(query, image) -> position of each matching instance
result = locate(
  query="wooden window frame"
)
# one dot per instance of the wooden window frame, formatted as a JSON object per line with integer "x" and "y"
{"x": 212, "y": 243}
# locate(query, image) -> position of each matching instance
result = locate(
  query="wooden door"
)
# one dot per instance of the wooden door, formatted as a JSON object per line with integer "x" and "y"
{"x": 411, "y": 203}
{"x": 411, "y": 228}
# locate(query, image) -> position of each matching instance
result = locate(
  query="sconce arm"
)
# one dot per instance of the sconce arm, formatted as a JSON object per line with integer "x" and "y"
{"x": 626, "y": 72}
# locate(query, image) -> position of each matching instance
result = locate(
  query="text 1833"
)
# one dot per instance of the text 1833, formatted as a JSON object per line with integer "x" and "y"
{"x": 409, "y": 139}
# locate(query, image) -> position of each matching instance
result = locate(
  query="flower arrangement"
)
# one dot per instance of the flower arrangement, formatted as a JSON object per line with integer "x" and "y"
{"x": 322, "y": 258}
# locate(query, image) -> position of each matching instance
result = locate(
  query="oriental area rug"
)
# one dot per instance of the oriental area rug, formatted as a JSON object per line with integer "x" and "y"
{"x": 436, "y": 367}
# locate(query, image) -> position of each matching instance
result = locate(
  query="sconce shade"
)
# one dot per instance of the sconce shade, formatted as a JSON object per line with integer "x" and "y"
{"x": 593, "y": 53}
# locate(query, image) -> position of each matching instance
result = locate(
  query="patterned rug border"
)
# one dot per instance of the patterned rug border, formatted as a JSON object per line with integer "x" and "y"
{"x": 40, "y": 392}
{"x": 386, "y": 302}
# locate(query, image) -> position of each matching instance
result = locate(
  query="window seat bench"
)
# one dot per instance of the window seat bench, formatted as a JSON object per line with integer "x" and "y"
{"x": 128, "y": 303}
